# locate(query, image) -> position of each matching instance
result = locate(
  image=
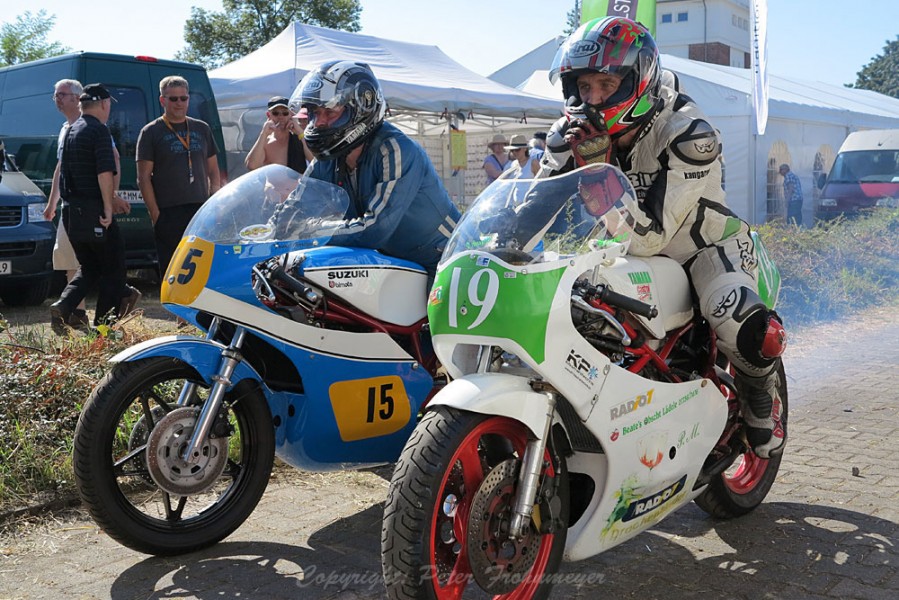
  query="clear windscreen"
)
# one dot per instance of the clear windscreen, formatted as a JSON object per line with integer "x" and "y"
{"x": 537, "y": 220}
{"x": 268, "y": 204}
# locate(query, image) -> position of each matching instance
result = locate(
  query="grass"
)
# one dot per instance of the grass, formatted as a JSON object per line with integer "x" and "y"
{"x": 829, "y": 271}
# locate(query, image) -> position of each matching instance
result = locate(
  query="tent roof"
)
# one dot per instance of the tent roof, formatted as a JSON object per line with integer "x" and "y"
{"x": 414, "y": 77}
{"x": 726, "y": 91}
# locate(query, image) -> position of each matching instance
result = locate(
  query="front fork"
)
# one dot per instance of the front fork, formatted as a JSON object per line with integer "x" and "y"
{"x": 230, "y": 358}
{"x": 531, "y": 467}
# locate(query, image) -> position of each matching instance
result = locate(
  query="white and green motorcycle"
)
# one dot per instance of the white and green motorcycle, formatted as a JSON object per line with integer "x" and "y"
{"x": 587, "y": 400}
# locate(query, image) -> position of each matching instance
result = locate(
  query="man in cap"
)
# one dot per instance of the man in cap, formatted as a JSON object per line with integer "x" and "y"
{"x": 177, "y": 167}
{"x": 88, "y": 170}
{"x": 279, "y": 141}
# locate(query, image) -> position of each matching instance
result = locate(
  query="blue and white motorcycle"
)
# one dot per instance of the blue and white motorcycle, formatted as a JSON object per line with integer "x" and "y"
{"x": 314, "y": 353}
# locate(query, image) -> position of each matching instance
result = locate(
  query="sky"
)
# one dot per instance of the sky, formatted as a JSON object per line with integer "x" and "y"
{"x": 817, "y": 40}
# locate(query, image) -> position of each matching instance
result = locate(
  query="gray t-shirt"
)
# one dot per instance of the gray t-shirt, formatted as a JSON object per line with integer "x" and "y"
{"x": 172, "y": 172}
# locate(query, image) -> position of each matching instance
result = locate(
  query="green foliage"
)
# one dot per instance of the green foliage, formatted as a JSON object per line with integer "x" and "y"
{"x": 837, "y": 267}
{"x": 573, "y": 18}
{"x": 216, "y": 38}
{"x": 25, "y": 39}
{"x": 882, "y": 73}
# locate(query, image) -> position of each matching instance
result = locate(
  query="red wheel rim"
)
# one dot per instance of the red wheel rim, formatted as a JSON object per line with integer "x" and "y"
{"x": 452, "y": 584}
{"x": 747, "y": 474}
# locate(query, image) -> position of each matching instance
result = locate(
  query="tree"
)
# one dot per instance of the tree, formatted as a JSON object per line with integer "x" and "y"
{"x": 215, "y": 38}
{"x": 574, "y": 18}
{"x": 25, "y": 39}
{"x": 882, "y": 73}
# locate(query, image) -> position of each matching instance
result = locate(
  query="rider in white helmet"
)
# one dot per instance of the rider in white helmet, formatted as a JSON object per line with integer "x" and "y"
{"x": 618, "y": 110}
{"x": 398, "y": 202}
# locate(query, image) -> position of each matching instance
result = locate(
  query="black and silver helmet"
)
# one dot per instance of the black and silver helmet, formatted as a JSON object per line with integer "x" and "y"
{"x": 336, "y": 84}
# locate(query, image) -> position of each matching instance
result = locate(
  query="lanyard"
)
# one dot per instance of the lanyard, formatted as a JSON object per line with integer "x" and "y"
{"x": 185, "y": 141}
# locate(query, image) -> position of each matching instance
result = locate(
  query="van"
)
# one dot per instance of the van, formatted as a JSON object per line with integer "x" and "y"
{"x": 865, "y": 174}
{"x": 26, "y": 238}
{"x": 30, "y": 123}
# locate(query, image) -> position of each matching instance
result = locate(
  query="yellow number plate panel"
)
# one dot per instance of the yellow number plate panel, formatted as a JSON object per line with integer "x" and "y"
{"x": 367, "y": 408}
{"x": 188, "y": 272}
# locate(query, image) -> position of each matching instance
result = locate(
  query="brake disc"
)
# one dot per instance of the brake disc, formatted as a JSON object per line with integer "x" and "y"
{"x": 139, "y": 434}
{"x": 499, "y": 564}
{"x": 165, "y": 446}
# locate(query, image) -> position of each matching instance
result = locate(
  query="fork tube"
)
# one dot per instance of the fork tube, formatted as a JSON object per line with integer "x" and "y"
{"x": 190, "y": 388}
{"x": 531, "y": 466}
{"x": 230, "y": 358}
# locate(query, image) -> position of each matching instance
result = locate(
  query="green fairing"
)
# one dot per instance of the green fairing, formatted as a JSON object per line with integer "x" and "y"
{"x": 520, "y": 310}
{"x": 769, "y": 276}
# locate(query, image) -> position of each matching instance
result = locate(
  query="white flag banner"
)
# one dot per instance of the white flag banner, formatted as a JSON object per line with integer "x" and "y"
{"x": 760, "y": 64}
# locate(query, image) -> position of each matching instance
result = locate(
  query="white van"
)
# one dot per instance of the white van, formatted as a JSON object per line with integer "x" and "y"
{"x": 865, "y": 174}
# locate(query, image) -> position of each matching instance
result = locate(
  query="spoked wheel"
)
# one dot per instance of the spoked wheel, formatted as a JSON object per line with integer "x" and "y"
{"x": 128, "y": 458}
{"x": 447, "y": 516}
{"x": 746, "y": 483}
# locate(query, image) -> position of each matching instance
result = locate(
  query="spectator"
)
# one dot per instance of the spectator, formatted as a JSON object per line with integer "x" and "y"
{"x": 522, "y": 162}
{"x": 278, "y": 142}
{"x": 177, "y": 167}
{"x": 792, "y": 195}
{"x": 538, "y": 147}
{"x": 498, "y": 160}
{"x": 66, "y": 94}
{"x": 88, "y": 169}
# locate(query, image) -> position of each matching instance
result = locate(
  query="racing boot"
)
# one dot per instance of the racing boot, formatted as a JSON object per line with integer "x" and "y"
{"x": 760, "y": 404}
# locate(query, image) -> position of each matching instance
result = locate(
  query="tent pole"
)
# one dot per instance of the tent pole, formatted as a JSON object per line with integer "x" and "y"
{"x": 753, "y": 211}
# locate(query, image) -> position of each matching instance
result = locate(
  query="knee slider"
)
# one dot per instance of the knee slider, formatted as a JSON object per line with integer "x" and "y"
{"x": 761, "y": 338}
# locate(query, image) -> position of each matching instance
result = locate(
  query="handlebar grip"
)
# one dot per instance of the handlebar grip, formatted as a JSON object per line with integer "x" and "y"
{"x": 293, "y": 284}
{"x": 627, "y": 303}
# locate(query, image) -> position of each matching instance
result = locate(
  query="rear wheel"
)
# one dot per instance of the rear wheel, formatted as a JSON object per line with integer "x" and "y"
{"x": 449, "y": 506}
{"x": 128, "y": 466}
{"x": 745, "y": 484}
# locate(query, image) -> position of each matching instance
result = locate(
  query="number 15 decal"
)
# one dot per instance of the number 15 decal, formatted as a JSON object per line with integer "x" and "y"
{"x": 485, "y": 303}
{"x": 367, "y": 408}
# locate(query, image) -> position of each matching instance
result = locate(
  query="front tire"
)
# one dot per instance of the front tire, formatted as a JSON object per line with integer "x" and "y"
{"x": 117, "y": 482}
{"x": 425, "y": 546}
{"x": 747, "y": 482}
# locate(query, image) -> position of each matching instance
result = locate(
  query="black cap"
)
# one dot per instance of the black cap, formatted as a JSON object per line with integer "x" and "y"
{"x": 540, "y": 135}
{"x": 94, "y": 92}
{"x": 278, "y": 101}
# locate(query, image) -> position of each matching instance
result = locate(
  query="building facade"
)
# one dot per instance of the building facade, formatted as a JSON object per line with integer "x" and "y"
{"x": 712, "y": 31}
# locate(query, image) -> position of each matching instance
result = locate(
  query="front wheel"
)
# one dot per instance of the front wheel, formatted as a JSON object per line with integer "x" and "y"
{"x": 449, "y": 506}
{"x": 745, "y": 484}
{"x": 128, "y": 466}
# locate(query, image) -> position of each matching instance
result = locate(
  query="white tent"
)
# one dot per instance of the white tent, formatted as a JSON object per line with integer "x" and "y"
{"x": 424, "y": 88}
{"x": 807, "y": 122}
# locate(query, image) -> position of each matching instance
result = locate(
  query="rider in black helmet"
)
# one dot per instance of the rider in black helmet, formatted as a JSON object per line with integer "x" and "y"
{"x": 398, "y": 203}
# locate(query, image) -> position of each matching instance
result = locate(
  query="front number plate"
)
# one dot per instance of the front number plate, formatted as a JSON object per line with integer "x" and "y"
{"x": 5, "y": 267}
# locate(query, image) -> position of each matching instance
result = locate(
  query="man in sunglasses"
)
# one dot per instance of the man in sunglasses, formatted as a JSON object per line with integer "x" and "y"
{"x": 177, "y": 168}
{"x": 279, "y": 141}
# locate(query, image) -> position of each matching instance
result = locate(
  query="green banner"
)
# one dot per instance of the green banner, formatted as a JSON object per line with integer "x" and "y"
{"x": 642, "y": 11}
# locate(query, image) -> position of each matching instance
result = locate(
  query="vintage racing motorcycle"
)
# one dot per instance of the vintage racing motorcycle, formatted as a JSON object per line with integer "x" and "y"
{"x": 587, "y": 399}
{"x": 316, "y": 353}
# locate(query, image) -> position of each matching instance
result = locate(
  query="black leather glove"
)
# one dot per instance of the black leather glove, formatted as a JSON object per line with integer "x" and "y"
{"x": 587, "y": 136}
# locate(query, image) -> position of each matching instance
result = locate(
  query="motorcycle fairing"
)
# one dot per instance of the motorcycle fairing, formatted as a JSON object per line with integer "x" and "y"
{"x": 631, "y": 417}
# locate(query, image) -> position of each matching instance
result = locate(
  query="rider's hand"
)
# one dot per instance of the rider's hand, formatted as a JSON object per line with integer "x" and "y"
{"x": 588, "y": 144}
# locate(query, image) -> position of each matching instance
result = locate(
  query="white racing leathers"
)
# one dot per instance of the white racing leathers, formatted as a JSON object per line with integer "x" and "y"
{"x": 674, "y": 166}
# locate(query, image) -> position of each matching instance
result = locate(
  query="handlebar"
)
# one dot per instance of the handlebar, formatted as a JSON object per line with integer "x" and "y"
{"x": 293, "y": 284}
{"x": 613, "y": 298}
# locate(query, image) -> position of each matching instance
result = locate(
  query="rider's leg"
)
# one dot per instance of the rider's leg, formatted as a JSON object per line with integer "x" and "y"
{"x": 750, "y": 335}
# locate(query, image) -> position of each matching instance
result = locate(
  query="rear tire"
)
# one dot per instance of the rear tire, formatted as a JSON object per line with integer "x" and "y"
{"x": 747, "y": 482}
{"x": 111, "y": 459}
{"x": 425, "y": 532}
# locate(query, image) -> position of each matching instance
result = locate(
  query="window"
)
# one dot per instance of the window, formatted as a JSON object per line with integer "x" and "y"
{"x": 666, "y": 18}
{"x": 681, "y": 17}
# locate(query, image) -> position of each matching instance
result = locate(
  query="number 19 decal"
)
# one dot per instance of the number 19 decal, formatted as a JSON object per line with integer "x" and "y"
{"x": 367, "y": 408}
{"x": 485, "y": 303}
